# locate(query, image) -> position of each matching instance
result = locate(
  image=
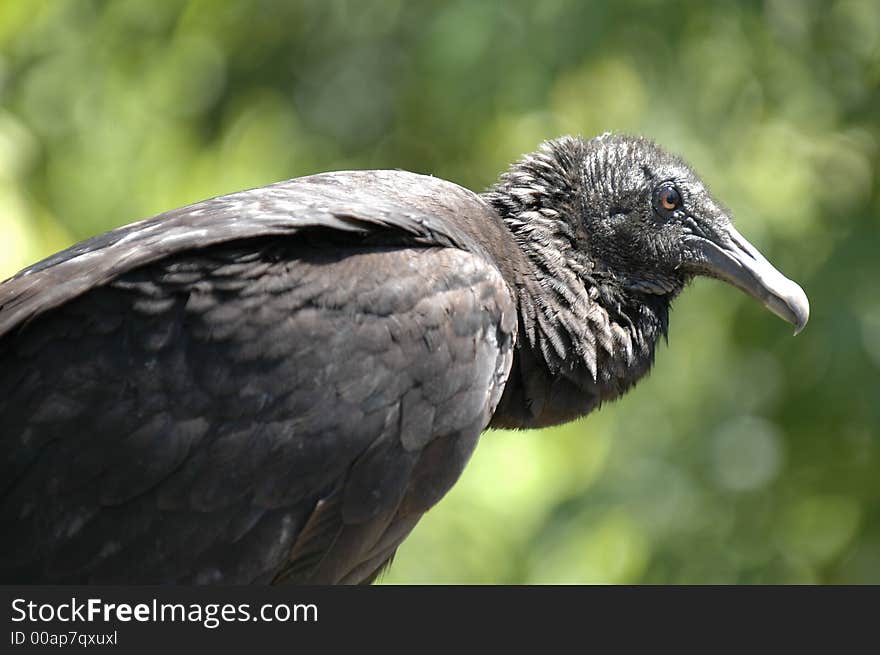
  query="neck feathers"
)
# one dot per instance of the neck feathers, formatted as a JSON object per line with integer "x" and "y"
{"x": 576, "y": 320}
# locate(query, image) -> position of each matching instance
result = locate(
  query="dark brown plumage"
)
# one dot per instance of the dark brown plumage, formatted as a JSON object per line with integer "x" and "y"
{"x": 275, "y": 385}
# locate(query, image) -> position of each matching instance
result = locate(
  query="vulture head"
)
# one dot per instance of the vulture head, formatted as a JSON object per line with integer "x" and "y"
{"x": 615, "y": 228}
{"x": 626, "y": 212}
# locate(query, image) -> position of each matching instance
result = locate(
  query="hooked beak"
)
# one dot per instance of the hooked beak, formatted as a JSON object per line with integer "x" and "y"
{"x": 729, "y": 257}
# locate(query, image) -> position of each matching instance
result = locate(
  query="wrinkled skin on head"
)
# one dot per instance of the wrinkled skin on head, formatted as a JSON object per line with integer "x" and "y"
{"x": 662, "y": 226}
{"x": 647, "y": 223}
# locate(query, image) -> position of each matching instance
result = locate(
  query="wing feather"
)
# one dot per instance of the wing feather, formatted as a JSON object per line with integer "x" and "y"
{"x": 358, "y": 203}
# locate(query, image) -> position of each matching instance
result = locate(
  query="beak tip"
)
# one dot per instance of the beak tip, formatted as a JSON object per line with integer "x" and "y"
{"x": 799, "y": 305}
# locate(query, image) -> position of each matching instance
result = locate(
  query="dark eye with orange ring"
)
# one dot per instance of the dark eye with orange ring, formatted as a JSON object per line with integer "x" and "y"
{"x": 667, "y": 198}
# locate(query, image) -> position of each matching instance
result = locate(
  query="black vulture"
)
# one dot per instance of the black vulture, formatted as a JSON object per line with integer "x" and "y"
{"x": 273, "y": 386}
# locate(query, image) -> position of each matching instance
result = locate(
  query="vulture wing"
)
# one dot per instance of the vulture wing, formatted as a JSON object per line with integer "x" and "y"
{"x": 268, "y": 386}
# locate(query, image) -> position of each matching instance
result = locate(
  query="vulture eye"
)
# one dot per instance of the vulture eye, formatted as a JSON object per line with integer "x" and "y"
{"x": 667, "y": 198}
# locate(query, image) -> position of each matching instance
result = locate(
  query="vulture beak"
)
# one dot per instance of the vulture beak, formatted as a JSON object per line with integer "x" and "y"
{"x": 728, "y": 256}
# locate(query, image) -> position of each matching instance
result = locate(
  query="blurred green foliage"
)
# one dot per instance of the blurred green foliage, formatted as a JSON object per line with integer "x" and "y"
{"x": 747, "y": 456}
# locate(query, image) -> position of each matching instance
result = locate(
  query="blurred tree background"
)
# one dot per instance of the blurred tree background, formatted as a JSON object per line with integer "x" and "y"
{"x": 748, "y": 455}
